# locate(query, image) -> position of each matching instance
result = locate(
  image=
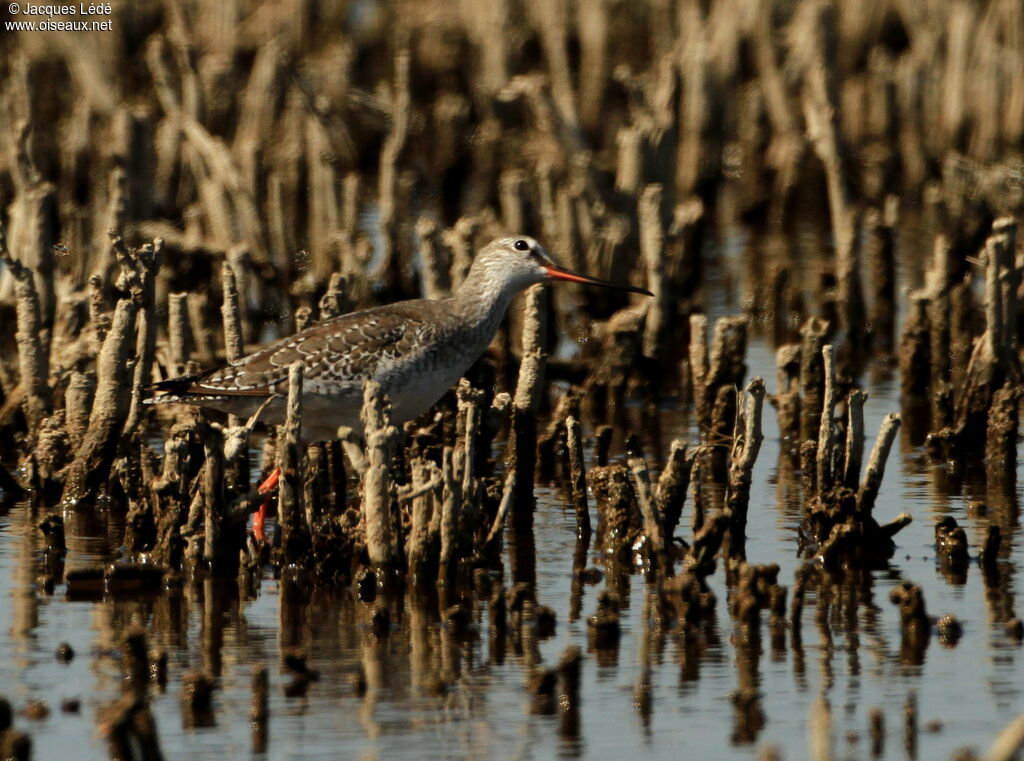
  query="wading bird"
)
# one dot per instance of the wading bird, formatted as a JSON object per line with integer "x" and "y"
{"x": 415, "y": 349}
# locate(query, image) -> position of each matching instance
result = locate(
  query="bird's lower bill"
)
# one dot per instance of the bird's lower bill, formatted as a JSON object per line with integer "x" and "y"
{"x": 557, "y": 273}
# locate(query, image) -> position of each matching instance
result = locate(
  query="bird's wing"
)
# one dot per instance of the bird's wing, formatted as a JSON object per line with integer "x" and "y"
{"x": 343, "y": 351}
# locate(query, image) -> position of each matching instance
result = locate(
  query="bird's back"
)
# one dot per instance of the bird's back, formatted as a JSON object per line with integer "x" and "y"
{"x": 413, "y": 349}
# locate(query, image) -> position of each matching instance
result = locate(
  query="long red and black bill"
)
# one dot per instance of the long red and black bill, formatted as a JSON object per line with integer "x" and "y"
{"x": 560, "y": 274}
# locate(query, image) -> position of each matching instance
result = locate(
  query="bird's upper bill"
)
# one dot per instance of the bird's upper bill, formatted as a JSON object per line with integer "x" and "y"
{"x": 557, "y": 273}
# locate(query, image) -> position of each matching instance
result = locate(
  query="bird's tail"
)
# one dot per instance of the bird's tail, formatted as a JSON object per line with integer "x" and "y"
{"x": 171, "y": 391}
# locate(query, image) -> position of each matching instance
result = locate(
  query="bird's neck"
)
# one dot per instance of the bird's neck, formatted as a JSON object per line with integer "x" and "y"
{"x": 482, "y": 302}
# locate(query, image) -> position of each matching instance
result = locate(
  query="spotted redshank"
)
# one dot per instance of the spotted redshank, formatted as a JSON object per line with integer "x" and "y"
{"x": 415, "y": 349}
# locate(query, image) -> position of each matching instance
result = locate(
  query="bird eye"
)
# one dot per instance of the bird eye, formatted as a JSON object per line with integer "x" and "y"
{"x": 521, "y": 245}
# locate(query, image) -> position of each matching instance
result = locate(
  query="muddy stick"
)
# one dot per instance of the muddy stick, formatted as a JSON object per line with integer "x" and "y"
{"x": 816, "y": 27}
{"x": 697, "y": 126}
{"x": 578, "y": 476}
{"x": 990, "y": 360}
{"x": 450, "y": 506}
{"x": 291, "y": 512}
{"x": 236, "y": 458}
{"x": 99, "y": 317}
{"x": 938, "y": 311}
{"x": 545, "y": 179}
{"x": 673, "y": 484}
{"x": 880, "y": 248}
{"x": 746, "y": 446}
{"x": 698, "y": 359}
{"x": 484, "y": 25}
{"x": 335, "y": 301}
{"x": 915, "y": 365}
{"x": 179, "y": 333}
{"x": 201, "y": 327}
{"x": 569, "y": 236}
{"x": 459, "y": 239}
{"x": 552, "y": 22}
{"x": 696, "y": 483}
{"x": 388, "y": 180}
{"x": 826, "y": 429}
{"x": 875, "y": 471}
{"x": 380, "y": 439}
{"x": 351, "y": 188}
{"x": 225, "y": 203}
{"x": 641, "y": 478}
{"x": 417, "y": 490}
{"x": 652, "y": 250}
{"x": 618, "y": 517}
{"x": 511, "y": 195}
{"x": 1003, "y": 244}
{"x": 504, "y": 507}
{"x": 424, "y": 483}
{"x": 525, "y": 402}
{"x": 1001, "y": 438}
{"x": 91, "y": 467}
{"x": 314, "y": 483}
{"x": 787, "y": 397}
{"x": 812, "y": 376}
{"x": 602, "y": 444}
{"x": 213, "y": 497}
{"x": 436, "y": 275}
{"x": 470, "y": 401}
{"x": 854, "y": 452}
{"x": 993, "y": 339}
{"x": 728, "y": 350}
{"x": 303, "y": 318}
{"x": 629, "y": 162}
{"x": 34, "y": 227}
{"x": 33, "y": 362}
{"x": 145, "y": 262}
{"x": 234, "y": 345}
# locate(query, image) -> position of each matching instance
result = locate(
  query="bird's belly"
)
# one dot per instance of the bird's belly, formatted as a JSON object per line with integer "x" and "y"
{"x": 414, "y": 396}
{"x": 417, "y": 389}
{"x": 322, "y": 414}
{"x": 411, "y": 394}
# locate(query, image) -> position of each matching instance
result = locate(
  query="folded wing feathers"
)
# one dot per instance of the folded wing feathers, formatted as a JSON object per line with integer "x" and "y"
{"x": 340, "y": 351}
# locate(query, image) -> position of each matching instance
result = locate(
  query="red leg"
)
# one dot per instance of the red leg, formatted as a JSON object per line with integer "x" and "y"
{"x": 266, "y": 488}
{"x": 271, "y": 483}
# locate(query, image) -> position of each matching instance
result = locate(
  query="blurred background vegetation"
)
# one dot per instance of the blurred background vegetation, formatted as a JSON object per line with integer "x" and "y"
{"x": 300, "y": 139}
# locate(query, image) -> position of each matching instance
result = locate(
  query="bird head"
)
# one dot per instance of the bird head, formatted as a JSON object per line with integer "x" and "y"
{"x": 524, "y": 262}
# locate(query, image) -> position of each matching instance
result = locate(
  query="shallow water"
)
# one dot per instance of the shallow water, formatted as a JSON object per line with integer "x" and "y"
{"x": 965, "y": 694}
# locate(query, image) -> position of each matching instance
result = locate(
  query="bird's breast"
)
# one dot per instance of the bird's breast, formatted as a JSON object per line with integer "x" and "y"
{"x": 416, "y": 384}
